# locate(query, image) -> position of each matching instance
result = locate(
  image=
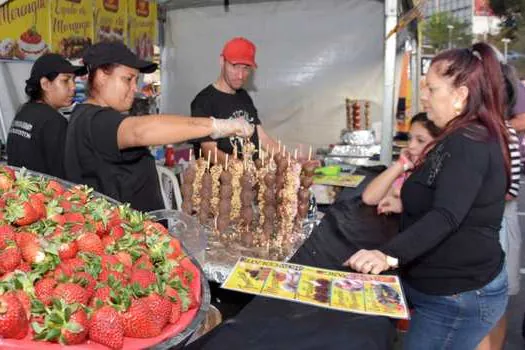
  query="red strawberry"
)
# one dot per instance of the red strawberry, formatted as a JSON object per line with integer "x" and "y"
{"x": 125, "y": 259}
{"x": 66, "y": 205}
{"x": 90, "y": 242}
{"x": 117, "y": 232}
{"x": 10, "y": 172}
{"x": 71, "y": 293}
{"x": 144, "y": 278}
{"x": 176, "y": 304}
{"x": 118, "y": 276}
{"x": 74, "y": 218}
{"x": 25, "y": 267}
{"x": 87, "y": 281}
{"x": 59, "y": 219}
{"x": 6, "y": 233}
{"x": 182, "y": 274}
{"x": 109, "y": 261}
{"x": 68, "y": 250}
{"x": 102, "y": 294}
{"x": 30, "y": 248}
{"x": 106, "y": 328}
{"x": 22, "y": 214}
{"x": 143, "y": 263}
{"x": 68, "y": 267}
{"x": 44, "y": 290}
{"x": 160, "y": 308}
{"x": 139, "y": 322}
{"x": 114, "y": 218}
{"x": 108, "y": 240}
{"x": 176, "y": 249}
{"x": 13, "y": 320}
{"x": 37, "y": 201}
{"x": 151, "y": 227}
{"x": 6, "y": 182}
{"x": 100, "y": 229}
{"x": 25, "y": 300}
{"x": 76, "y": 330}
{"x": 10, "y": 258}
{"x": 55, "y": 188}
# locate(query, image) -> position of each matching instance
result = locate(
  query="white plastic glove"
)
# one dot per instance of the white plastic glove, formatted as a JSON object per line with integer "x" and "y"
{"x": 231, "y": 127}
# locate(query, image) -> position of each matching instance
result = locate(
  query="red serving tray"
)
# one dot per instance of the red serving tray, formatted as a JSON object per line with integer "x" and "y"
{"x": 129, "y": 343}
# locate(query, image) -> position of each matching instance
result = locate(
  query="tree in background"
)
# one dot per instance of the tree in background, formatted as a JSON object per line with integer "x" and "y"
{"x": 512, "y": 14}
{"x": 438, "y": 35}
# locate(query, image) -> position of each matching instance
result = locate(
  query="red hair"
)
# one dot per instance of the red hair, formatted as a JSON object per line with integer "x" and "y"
{"x": 478, "y": 69}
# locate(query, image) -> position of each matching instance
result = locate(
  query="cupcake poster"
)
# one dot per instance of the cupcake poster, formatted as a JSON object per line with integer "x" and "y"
{"x": 24, "y": 33}
{"x": 71, "y": 26}
{"x": 111, "y": 20}
{"x": 142, "y": 27}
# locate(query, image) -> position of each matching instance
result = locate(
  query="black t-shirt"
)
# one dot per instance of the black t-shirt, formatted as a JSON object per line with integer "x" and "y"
{"x": 452, "y": 211}
{"x": 36, "y": 139}
{"x": 221, "y": 105}
{"x": 92, "y": 157}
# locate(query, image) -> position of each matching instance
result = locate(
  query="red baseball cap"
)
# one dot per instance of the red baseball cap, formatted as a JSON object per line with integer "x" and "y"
{"x": 239, "y": 51}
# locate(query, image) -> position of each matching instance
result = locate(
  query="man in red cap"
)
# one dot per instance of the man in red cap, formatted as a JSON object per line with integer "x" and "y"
{"x": 226, "y": 99}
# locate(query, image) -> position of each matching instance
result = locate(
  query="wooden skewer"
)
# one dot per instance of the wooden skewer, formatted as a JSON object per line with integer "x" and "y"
{"x": 191, "y": 154}
{"x": 200, "y": 153}
{"x": 273, "y": 149}
{"x": 226, "y": 162}
{"x": 295, "y": 153}
{"x": 279, "y": 149}
{"x": 284, "y": 150}
{"x": 289, "y": 156}
{"x": 209, "y": 156}
{"x": 215, "y": 159}
{"x": 310, "y": 153}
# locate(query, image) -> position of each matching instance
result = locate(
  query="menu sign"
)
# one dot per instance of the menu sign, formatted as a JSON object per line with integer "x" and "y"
{"x": 71, "y": 26}
{"x": 339, "y": 290}
{"x": 143, "y": 27}
{"x": 24, "y": 30}
{"x": 111, "y": 20}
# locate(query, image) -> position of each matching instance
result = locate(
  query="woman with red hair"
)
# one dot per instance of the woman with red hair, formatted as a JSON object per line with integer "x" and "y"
{"x": 448, "y": 250}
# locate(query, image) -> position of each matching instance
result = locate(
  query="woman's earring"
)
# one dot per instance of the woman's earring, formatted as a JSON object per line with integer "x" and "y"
{"x": 457, "y": 108}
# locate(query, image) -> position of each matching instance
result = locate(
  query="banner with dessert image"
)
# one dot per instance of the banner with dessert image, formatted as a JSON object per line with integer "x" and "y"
{"x": 379, "y": 295}
{"x": 111, "y": 21}
{"x": 142, "y": 17}
{"x": 71, "y": 27}
{"x": 25, "y": 31}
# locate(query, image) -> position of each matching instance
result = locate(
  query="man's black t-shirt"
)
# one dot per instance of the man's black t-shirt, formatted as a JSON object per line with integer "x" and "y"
{"x": 36, "y": 139}
{"x": 221, "y": 105}
{"x": 92, "y": 157}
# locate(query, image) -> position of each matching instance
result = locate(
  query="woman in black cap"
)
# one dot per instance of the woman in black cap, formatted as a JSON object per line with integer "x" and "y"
{"x": 38, "y": 132}
{"x": 108, "y": 151}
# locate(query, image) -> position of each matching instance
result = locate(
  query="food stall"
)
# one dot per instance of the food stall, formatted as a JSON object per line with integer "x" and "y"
{"x": 329, "y": 66}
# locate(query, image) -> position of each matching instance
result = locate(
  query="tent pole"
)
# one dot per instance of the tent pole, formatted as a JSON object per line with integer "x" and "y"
{"x": 389, "y": 83}
{"x": 415, "y": 58}
{"x": 2, "y": 120}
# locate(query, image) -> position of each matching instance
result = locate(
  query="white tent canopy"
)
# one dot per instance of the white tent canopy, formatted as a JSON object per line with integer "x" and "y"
{"x": 311, "y": 56}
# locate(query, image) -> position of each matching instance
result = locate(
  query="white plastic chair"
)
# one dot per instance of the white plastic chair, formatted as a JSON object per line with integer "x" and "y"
{"x": 169, "y": 187}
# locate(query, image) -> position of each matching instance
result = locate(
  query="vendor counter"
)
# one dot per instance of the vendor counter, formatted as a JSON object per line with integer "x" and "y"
{"x": 265, "y": 323}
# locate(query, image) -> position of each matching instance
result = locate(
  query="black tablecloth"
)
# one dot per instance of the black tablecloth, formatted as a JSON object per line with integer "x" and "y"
{"x": 268, "y": 323}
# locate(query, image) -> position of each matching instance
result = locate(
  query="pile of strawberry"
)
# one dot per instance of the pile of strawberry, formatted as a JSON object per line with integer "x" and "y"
{"x": 75, "y": 268}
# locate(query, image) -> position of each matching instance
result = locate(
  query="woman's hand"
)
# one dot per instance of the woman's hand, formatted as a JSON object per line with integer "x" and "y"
{"x": 406, "y": 160}
{"x": 231, "y": 127}
{"x": 389, "y": 205}
{"x": 368, "y": 261}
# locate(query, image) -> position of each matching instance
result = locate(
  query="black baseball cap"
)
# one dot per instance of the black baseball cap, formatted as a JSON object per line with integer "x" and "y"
{"x": 116, "y": 52}
{"x": 53, "y": 63}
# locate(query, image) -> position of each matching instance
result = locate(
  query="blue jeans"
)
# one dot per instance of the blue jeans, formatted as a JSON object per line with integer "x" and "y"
{"x": 455, "y": 322}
